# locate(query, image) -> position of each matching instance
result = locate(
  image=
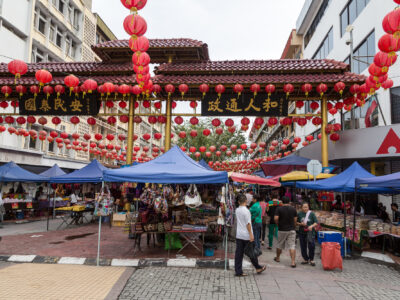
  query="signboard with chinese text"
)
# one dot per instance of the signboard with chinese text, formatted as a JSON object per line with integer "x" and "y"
{"x": 65, "y": 105}
{"x": 245, "y": 105}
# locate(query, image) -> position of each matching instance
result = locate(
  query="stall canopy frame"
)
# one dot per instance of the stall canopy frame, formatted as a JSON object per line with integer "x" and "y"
{"x": 11, "y": 172}
{"x": 92, "y": 173}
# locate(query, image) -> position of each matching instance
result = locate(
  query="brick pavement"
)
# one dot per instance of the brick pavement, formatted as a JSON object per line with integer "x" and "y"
{"x": 185, "y": 283}
{"x": 44, "y": 281}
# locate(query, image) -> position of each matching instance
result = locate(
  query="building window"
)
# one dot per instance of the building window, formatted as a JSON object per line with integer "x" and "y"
{"x": 37, "y": 55}
{"x": 326, "y": 46}
{"x": 395, "y": 104}
{"x": 59, "y": 38}
{"x": 42, "y": 24}
{"x": 76, "y": 18}
{"x": 350, "y": 13}
{"x": 315, "y": 22}
{"x": 52, "y": 32}
{"x": 73, "y": 50}
{"x": 364, "y": 53}
{"x": 60, "y": 6}
{"x": 68, "y": 44}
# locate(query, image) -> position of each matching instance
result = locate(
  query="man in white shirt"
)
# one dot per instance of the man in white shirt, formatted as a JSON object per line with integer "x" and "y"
{"x": 249, "y": 197}
{"x": 244, "y": 235}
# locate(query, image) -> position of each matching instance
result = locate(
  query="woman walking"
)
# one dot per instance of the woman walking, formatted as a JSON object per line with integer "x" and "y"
{"x": 272, "y": 227}
{"x": 307, "y": 222}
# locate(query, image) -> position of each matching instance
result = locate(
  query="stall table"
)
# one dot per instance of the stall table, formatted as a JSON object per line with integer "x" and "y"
{"x": 73, "y": 215}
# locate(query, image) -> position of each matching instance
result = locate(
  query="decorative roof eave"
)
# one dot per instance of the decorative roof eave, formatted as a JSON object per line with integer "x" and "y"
{"x": 183, "y": 50}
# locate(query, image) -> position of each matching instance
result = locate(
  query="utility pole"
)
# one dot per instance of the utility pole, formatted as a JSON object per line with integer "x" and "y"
{"x": 350, "y": 42}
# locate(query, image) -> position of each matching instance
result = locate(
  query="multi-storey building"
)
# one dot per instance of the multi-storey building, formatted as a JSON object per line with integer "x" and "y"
{"x": 46, "y": 31}
{"x": 331, "y": 30}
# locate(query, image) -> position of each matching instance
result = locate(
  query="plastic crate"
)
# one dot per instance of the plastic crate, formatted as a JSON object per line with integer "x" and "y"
{"x": 332, "y": 236}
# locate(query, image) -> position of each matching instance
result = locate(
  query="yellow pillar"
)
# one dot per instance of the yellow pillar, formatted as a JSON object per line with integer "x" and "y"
{"x": 131, "y": 129}
{"x": 324, "y": 135}
{"x": 168, "y": 124}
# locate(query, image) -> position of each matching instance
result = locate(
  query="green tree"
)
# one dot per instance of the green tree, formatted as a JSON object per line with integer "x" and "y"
{"x": 226, "y": 138}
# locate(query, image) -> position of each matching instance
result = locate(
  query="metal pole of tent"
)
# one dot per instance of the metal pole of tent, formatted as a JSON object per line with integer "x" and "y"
{"x": 54, "y": 204}
{"x": 344, "y": 224}
{"x": 226, "y": 227}
{"x": 98, "y": 241}
{"x": 48, "y": 206}
{"x": 354, "y": 218}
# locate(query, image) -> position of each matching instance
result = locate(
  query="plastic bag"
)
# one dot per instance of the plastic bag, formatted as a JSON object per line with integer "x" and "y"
{"x": 330, "y": 256}
{"x": 172, "y": 241}
{"x": 252, "y": 251}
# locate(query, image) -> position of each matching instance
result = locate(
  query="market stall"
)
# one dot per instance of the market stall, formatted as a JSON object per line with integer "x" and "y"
{"x": 44, "y": 197}
{"x": 93, "y": 174}
{"x": 165, "y": 206}
{"x": 379, "y": 228}
{"x": 18, "y": 189}
{"x": 345, "y": 183}
{"x": 285, "y": 165}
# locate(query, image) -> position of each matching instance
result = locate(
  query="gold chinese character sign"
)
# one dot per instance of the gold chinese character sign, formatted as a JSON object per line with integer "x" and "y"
{"x": 246, "y": 105}
{"x": 65, "y": 105}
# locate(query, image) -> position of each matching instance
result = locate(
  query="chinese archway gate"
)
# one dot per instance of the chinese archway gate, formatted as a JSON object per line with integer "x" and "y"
{"x": 186, "y": 61}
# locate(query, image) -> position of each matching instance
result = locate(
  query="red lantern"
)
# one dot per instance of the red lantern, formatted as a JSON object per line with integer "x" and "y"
{"x": 90, "y": 85}
{"x": 219, "y": 131}
{"x": 43, "y": 76}
{"x": 388, "y": 44}
{"x": 204, "y": 88}
{"x": 193, "y": 104}
{"x": 146, "y": 136}
{"x": 229, "y": 123}
{"x": 34, "y": 89}
{"x": 339, "y": 87}
{"x": 288, "y": 89}
{"x": 178, "y": 120}
{"x": 309, "y": 138}
{"x": 220, "y": 89}
{"x": 192, "y": 149}
{"x": 74, "y": 120}
{"x": 314, "y": 105}
{"x": 72, "y": 82}
{"x": 317, "y": 121}
{"x": 286, "y": 142}
{"x": 270, "y": 88}
{"x": 194, "y": 121}
{"x": 334, "y": 137}
{"x": 135, "y": 25}
{"x": 21, "y": 120}
{"x": 193, "y": 133}
{"x": 111, "y": 120}
{"x": 6, "y": 90}
{"x": 91, "y": 121}
{"x": 272, "y": 149}
{"x": 384, "y": 61}
{"x": 299, "y": 104}
{"x": 20, "y": 89}
{"x": 152, "y": 120}
{"x": 321, "y": 89}
{"x": 272, "y": 122}
{"x": 258, "y": 121}
{"x": 306, "y": 88}
{"x": 157, "y": 136}
{"x": 302, "y": 122}
{"x": 183, "y": 88}
{"x": 134, "y": 5}
{"x": 206, "y": 132}
{"x": 387, "y": 84}
{"x": 339, "y": 105}
{"x": 238, "y": 88}
{"x": 56, "y": 120}
{"x": 169, "y": 88}
{"x": 212, "y": 149}
{"x": 232, "y": 129}
{"x": 17, "y": 68}
{"x": 333, "y": 111}
{"x": 139, "y": 44}
{"x": 31, "y": 119}
{"x": 391, "y": 23}
{"x": 243, "y": 146}
{"x": 255, "y": 88}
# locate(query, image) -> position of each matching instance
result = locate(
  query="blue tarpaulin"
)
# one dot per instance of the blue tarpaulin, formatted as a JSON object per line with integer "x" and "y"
{"x": 391, "y": 181}
{"x": 173, "y": 166}
{"x": 343, "y": 182}
{"x": 93, "y": 173}
{"x": 11, "y": 172}
{"x": 53, "y": 172}
{"x": 205, "y": 165}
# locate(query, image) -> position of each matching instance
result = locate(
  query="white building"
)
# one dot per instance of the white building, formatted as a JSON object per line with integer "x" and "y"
{"x": 45, "y": 31}
{"x": 323, "y": 24}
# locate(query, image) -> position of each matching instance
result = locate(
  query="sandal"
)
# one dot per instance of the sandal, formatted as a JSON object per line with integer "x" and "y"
{"x": 261, "y": 270}
{"x": 277, "y": 260}
{"x": 312, "y": 264}
{"x": 269, "y": 248}
{"x": 241, "y": 275}
{"x": 293, "y": 266}
{"x": 304, "y": 262}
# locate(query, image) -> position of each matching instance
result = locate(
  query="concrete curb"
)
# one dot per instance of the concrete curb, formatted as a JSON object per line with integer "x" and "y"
{"x": 135, "y": 263}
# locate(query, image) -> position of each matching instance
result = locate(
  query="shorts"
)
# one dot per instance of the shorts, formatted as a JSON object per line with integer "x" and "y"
{"x": 286, "y": 240}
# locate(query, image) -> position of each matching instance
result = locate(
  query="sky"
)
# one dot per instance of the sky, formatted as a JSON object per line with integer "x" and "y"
{"x": 233, "y": 29}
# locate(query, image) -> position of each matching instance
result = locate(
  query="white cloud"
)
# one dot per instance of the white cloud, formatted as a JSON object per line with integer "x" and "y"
{"x": 233, "y": 29}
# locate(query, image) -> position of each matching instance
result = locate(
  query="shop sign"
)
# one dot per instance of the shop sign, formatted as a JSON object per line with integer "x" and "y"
{"x": 64, "y": 105}
{"x": 245, "y": 105}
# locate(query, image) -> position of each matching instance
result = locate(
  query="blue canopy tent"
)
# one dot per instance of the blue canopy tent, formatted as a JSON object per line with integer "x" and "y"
{"x": 11, "y": 172}
{"x": 391, "y": 181}
{"x": 92, "y": 173}
{"x": 344, "y": 182}
{"x": 205, "y": 165}
{"x": 53, "y": 172}
{"x": 260, "y": 173}
{"x": 173, "y": 166}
